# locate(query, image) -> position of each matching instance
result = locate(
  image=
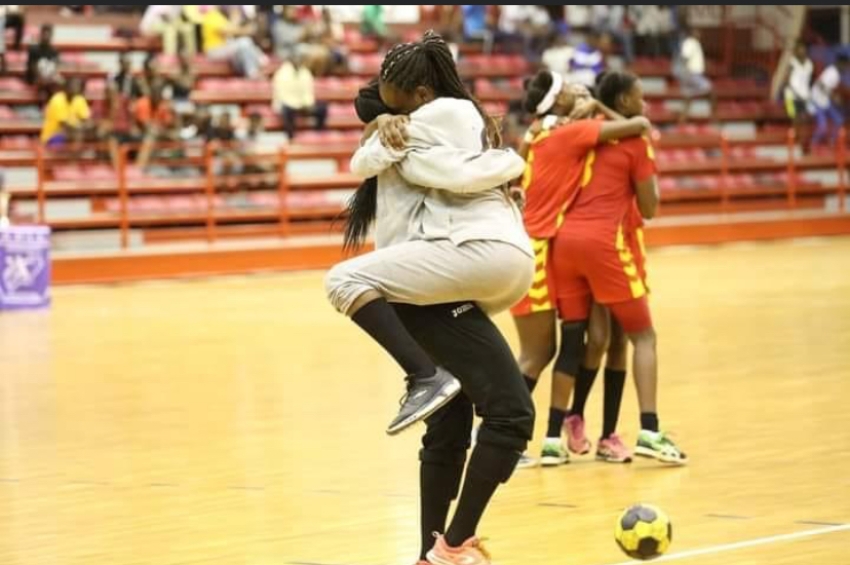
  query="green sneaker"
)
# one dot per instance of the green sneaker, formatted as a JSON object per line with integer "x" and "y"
{"x": 656, "y": 445}
{"x": 553, "y": 454}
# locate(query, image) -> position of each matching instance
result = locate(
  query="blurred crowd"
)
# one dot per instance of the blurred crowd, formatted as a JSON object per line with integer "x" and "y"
{"x": 290, "y": 46}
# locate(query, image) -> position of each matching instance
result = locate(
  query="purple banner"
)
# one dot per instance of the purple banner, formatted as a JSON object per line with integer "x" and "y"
{"x": 24, "y": 267}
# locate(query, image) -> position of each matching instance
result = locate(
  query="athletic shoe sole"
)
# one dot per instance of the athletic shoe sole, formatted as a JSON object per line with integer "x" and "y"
{"x": 445, "y": 396}
{"x": 650, "y": 453}
{"x": 553, "y": 461}
{"x": 607, "y": 459}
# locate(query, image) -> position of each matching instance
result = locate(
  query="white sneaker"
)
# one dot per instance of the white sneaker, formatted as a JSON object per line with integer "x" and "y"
{"x": 553, "y": 454}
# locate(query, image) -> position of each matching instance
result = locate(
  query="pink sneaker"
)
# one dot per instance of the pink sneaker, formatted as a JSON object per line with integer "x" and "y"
{"x": 577, "y": 441}
{"x": 613, "y": 450}
{"x": 470, "y": 553}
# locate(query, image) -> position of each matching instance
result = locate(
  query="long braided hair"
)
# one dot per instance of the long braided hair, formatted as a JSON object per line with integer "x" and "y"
{"x": 407, "y": 66}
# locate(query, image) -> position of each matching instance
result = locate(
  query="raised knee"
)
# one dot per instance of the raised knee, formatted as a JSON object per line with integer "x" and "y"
{"x": 335, "y": 282}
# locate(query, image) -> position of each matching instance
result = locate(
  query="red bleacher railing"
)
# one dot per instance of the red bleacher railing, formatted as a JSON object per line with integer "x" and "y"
{"x": 126, "y": 193}
{"x": 842, "y": 170}
{"x": 40, "y": 178}
{"x": 724, "y": 172}
{"x": 123, "y": 196}
{"x": 792, "y": 168}
{"x": 209, "y": 190}
{"x": 283, "y": 192}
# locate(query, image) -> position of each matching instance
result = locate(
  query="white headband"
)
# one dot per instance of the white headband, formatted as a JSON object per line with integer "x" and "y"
{"x": 551, "y": 96}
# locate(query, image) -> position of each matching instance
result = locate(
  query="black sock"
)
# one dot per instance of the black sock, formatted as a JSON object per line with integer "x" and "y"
{"x": 438, "y": 487}
{"x": 649, "y": 421}
{"x": 584, "y": 382}
{"x": 556, "y": 422}
{"x": 379, "y": 320}
{"x": 615, "y": 382}
{"x": 489, "y": 466}
{"x": 530, "y": 383}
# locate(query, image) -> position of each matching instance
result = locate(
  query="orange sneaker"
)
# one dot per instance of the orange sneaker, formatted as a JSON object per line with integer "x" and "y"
{"x": 470, "y": 553}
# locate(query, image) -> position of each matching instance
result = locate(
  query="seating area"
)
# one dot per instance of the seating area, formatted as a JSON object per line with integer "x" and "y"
{"x": 739, "y": 157}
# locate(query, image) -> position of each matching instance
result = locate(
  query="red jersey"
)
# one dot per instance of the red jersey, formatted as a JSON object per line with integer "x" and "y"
{"x": 606, "y": 198}
{"x": 553, "y": 172}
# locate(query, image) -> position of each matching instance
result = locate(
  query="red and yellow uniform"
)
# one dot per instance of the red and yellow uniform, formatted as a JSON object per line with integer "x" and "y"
{"x": 598, "y": 253}
{"x": 552, "y": 174}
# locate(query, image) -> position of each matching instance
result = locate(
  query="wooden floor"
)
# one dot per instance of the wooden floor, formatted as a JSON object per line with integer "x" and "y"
{"x": 240, "y": 421}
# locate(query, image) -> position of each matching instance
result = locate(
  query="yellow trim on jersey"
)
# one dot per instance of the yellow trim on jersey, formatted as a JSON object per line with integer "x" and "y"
{"x": 589, "y": 161}
{"x": 529, "y": 161}
{"x": 650, "y": 150}
{"x": 636, "y": 285}
{"x": 539, "y": 291}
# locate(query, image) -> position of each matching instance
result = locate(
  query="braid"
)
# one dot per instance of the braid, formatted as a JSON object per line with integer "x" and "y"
{"x": 361, "y": 210}
{"x": 429, "y": 62}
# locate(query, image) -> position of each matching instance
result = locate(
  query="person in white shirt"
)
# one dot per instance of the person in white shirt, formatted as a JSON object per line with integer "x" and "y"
{"x": 824, "y": 100}
{"x": 168, "y": 22}
{"x": 294, "y": 94}
{"x": 690, "y": 69}
{"x": 798, "y": 85}
{"x": 527, "y": 24}
{"x": 453, "y": 235}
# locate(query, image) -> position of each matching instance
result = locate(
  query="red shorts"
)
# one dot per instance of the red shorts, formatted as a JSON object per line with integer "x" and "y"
{"x": 541, "y": 295}
{"x": 610, "y": 270}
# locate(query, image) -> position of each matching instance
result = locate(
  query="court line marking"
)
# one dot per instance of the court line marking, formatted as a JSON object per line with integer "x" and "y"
{"x": 746, "y": 544}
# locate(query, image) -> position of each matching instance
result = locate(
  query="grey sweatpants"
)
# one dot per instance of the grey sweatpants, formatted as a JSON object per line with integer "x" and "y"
{"x": 492, "y": 274}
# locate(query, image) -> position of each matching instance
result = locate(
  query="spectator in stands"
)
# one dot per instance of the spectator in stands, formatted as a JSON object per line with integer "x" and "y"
{"x": 289, "y": 33}
{"x": 154, "y": 117}
{"x": 13, "y": 18}
{"x": 183, "y": 83}
{"x": 168, "y": 22}
{"x": 293, "y": 95}
{"x": 652, "y": 23}
{"x": 117, "y": 122}
{"x": 67, "y": 116}
{"x": 230, "y": 39}
{"x": 826, "y": 102}
{"x": 43, "y": 63}
{"x": 223, "y": 133}
{"x": 152, "y": 80}
{"x": 203, "y": 123}
{"x": 527, "y": 24}
{"x": 250, "y": 134}
{"x": 613, "y": 20}
{"x": 690, "y": 69}
{"x": 318, "y": 45}
{"x": 587, "y": 61}
{"x": 558, "y": 56}
{"x": 372, "y": 23}
{"x": 10, "y": 16}
{"x": 123, "y": 80}
{"x": 329, "y": 35}
{"x": 478, "y": 25}
{"x": 798, "y": 87}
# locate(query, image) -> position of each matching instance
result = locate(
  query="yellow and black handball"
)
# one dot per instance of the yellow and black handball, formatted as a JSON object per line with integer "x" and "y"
{"x": 644, "y": 532}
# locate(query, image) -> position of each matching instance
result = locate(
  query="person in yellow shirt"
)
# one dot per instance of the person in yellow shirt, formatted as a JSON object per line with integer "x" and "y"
{"x": 293, "y": 95}
{"x": 66, "y": 115}
{"x": 226, "y": 37}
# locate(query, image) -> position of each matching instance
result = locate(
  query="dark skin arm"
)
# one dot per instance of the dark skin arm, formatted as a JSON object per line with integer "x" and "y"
{"x": 648, "y": 197}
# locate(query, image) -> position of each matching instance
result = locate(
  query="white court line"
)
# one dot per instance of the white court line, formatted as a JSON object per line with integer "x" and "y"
{"x": 745, "y": 544}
